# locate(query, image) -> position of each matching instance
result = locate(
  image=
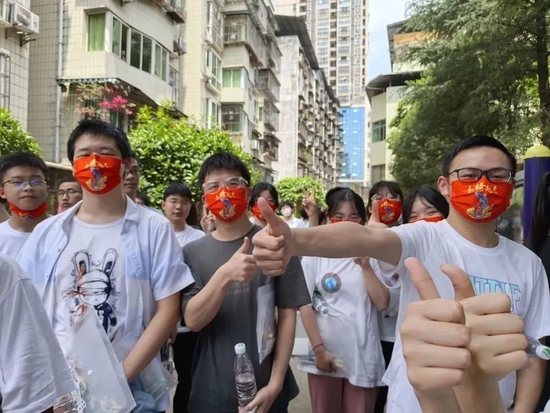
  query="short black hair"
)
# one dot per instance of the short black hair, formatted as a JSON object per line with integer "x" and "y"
{"x": 338, "y": 195}
{"x": 261, "y": 187}
{"x": 177, "y": 188}
{"x": 540, "y": 220}
{"x": 429, "y": 194}
{"x": 21, "y": 159}
{"x": 393, "y": 187}
{"x": 223, "y": 160}
{"x": 98, "y": 127}
{"x": 477, "y": 141}
{"x": 286, "y": 203}
{"x": 144, "y": 198}
{"x": 67, "y": 179}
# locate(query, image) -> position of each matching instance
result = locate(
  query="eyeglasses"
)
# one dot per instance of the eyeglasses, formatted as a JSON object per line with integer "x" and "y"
{"x": 389, "y": 197}
{"x": 183, "y": 202}
{"x": 22, "y": 183}
{"x": 68, "y": 192}
{"x": 234, "y": 182}
{"x": 472, "y": 175}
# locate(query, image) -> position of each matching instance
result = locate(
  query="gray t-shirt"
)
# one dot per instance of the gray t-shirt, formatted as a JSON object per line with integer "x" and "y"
{"x": 247, "y": 308}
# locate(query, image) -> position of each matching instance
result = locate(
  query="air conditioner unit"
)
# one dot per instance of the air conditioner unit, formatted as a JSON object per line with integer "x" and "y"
{"x": 182, "y": 45}
{"x": 254, "y": 144}
{"x": 24, "y": 20}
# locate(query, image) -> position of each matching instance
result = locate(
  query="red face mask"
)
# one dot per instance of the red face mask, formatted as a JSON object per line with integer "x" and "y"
{"x": 482, "y": 201}
{"x": 258, "y": 214}
{"x": 32, "y": 214}
{"x": 227, "y": 205}
{"x": 338, "y": 220}
{"x": 98, "y": 174}
{"x": 389, "y": 211}
{"x": 437, "y": 218}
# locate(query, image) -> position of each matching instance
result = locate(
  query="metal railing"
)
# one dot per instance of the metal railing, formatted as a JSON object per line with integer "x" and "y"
{"x": 269, "y": 84}
{"x": 240, "y": 29}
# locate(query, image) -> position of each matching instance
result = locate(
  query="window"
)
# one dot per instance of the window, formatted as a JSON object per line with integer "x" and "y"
{"x": 343, "y": 70}
{"x": 147, "y": 58}
{"x": 234, "y": 119}
{"x": 212, "y": 113}
{"x": 322, "y": 41}
{"x": 119, "y": 39}
{"x": 214, "y": 64}
{"x": 233, "y": 78}
{"x": 343, "y": 50}
{"x": 322, "y": 51}
{"x": 96, "y": 32}
{"x": 322, "y": 2}
{"x": 5, "y": 71}
{"x": 173, "y": 81}
{"x": 379, "y": 131}
{"x": 322, "y": 23}
{"x": 141, "y": 52}
{"x": 378, "y": 173}
{"x": 343, "y": 80}
{"x": 322, "y": 32}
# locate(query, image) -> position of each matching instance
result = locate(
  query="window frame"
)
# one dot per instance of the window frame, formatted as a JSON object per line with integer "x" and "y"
{"x": 379, "y": 131}
{"x": 5, "y": 76}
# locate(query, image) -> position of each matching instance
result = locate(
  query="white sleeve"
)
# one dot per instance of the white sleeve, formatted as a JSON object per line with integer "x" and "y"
{"x": 386, "y": 274}
{"x": 34, "y": 372}
{"x": 309, "y": 266}
{"x": 537, "y": 316}
{"x": 415, "y": 242}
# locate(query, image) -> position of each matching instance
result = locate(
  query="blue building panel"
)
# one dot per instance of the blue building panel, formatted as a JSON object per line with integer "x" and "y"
{"x": 353, "y": 123}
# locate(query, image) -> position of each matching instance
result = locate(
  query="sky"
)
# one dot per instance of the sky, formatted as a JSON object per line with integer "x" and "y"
{"x": 382, "y": 13}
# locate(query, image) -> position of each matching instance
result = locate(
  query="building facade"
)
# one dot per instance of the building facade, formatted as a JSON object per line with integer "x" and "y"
{"x": 339, "y": 33}
{"x": 19, "y": 26}
{"x": 310, "y": 140}
{"x": 102, "y": 58}
{"x": 385, "y": 92}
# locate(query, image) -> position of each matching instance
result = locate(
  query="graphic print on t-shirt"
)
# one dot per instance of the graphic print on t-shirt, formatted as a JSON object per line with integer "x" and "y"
{"x": 331, "y": 282}
{"x": 489, "y": 285}
{"x": 93, "y": 285}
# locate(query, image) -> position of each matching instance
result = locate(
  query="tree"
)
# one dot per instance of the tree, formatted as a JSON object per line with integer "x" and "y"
{"x": 291, "y": 189}
{"x": 172, "y": 149}
{"x": 483, "y": 75}
{"x": 13, "y": 138}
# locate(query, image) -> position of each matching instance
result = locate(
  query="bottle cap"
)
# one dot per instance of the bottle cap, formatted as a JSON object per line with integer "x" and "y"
{"x": 240, "y": 349}
{"x": 543, "y": 352}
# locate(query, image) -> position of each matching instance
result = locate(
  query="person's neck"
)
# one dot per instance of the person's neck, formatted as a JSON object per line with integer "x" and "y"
{"x": 229, "y": 231}
{"x": 482, "y": 235}
{"x": 102, "y": 209}
{"x": 26, "y": 224}
{"x": 132, "y": 196}
{"x": 179, "y": 226}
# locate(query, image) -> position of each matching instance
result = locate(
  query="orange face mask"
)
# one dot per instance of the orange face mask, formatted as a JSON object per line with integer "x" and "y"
{"x": 32, "y": 214}
{"x": 98, "y": 174}
{"x": 437, "y": 218}
{"x": 338, "y": 220}
{"x": 482, "y": 201}
{"x": 227, "y": 205}
{"x": 258, "y": 214}
{"x": 389, "y": 211}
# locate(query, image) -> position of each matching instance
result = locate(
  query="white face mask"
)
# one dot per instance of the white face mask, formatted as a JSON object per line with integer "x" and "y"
{"x": 286, "y": 212}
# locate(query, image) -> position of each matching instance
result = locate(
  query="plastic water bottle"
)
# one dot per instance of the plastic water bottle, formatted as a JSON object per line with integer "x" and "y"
{"x": 167, "y": 357}
{"x": 536, "y": 349}
{"x": 319, "y": 303}
{"x": 245, "y": 380}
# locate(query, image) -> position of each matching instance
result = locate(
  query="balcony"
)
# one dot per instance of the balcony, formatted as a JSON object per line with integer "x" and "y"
{"x": 269, "y": 84}
{"x": 175, "y": 9}
{"x": 302, "y": 130}
{"x": 239, "y": 29}
{"x": 234, "y": 120}
{"x": 270, "y": 116}
{"x": 214, "y": 36}
{"x": 271, "y": 147}
{"x": 274, "y": 58}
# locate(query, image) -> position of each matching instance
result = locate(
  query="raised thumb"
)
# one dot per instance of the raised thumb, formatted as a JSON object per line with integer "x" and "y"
{"x": 245, "y": 246}
{"x": 375, "y": 211}
{"x": 461, "y": 282}
{"x": 421, "y": 279}
{"x": 268, "y": 214}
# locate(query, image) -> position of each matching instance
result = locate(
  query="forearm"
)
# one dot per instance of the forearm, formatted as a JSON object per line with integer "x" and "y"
{"x": 477, "y": 394}
{"x": 346, "y": 240}
{"x": 447, "y": 403}
{"x": 152, "y": 339}
{"x": 530, "y": 380}
{"x": 310, "y": 325}
{"x": 377, "y": 291}
{"x": 203, "y": 307}
{"x": 286, "y": 330}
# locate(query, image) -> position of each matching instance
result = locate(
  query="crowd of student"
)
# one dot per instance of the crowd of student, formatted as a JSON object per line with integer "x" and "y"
{"x": 398, "y": 313}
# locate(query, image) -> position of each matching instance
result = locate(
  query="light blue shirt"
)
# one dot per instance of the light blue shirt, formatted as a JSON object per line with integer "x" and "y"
{"x": 154, "y": 267}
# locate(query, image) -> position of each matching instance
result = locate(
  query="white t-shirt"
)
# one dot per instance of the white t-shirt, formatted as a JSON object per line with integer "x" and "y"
{"x": 509, "y": 268}
{"x": 387, "y": 319}
{"x": 296, "y": 223}
{"x": 34, "y": 370}
{"x": 350, "y": 330}
{"x": 90, "y": 273}
{"x": 11, "y": 241}
{"x": 188, "y": 235}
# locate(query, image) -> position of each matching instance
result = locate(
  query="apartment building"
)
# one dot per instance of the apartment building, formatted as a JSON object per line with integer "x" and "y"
{"x": 310, "y": 140}
{"x": 19, "y": 26}
{"x": 339, "y": 33}
{"x": 386, "y": 91}
{"x": 102, "y": 58}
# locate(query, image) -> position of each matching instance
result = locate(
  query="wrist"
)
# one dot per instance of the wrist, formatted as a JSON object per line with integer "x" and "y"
{"x": 275, "y": 385}
{"x": 223, "y": 277}
{"x": 319, "y": 348}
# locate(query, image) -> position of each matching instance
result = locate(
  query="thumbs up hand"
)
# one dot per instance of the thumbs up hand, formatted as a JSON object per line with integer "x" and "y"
{"x": 242, "y": 266}
{"x": 271, "y": 244}
{"x": 374, "y": 220}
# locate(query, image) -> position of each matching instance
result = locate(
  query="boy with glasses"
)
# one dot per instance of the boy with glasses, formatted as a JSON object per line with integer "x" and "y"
{"x": 69, "y": 193}
{"x": 23, "y": 185}
{"x": 478, "y": 179}
{"x": 232, "y": 301}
